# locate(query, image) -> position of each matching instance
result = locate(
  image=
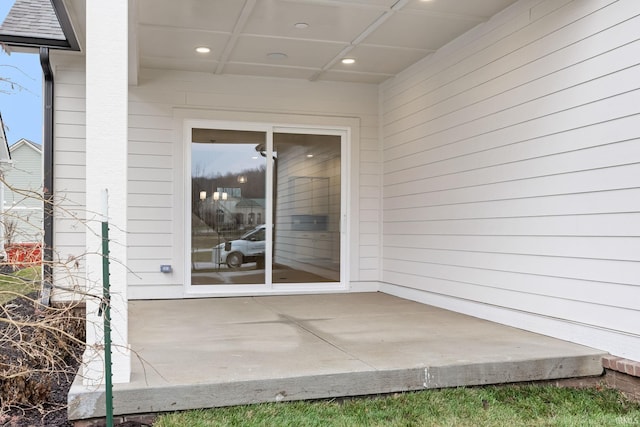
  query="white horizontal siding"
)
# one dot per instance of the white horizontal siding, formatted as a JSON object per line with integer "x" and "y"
{"x": 26, "y": 173}
{"x": 598, "y": 248}
{"x": 156, "y": 175}
{"x": 150, "y": 197}
{"x": 512, "y": 173}
{"x": 481, "y": 155}
{"x": 23, "y": 195}
{"x": 69, "y": 177}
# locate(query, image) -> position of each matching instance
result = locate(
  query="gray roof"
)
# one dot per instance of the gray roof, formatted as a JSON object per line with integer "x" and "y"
{"x": 25, "y": 142}
{"x": 249, "y": 203}
{"x": 37, "y": 23}
{"x": 32, "y": 18}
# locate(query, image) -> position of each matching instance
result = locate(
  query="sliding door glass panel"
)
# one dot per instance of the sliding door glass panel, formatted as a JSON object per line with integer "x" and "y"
{"x": 307, "y": 203}
{"x": 228, "y": 207}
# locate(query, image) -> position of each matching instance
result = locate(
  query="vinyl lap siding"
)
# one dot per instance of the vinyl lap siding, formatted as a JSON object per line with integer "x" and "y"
{"x": 150, "y": 216}
{"x": 157, "y": 107}
{"x": 512, "y": 173}
{"x": 370, "y": 216}
{"x": 155, "y": 164}
{"x": 25, "y": 176}
{"x": 23, "y": 194}
{"x": 69, "y": 176}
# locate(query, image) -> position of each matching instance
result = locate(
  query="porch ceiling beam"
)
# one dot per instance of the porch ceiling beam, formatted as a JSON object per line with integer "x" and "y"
{"x": 436, "y": 13}
{"x": 134, "y": 48}
{"x": 237, "y": 30}
{"x": 363, "y": 35}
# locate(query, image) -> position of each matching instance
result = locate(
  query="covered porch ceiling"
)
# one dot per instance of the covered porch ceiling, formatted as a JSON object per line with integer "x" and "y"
{"x": 303, "y": 39}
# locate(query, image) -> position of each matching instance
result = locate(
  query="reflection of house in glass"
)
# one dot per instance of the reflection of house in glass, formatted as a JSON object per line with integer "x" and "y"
{"x": 249, "y": 212}
{"x": 232, "y": 212}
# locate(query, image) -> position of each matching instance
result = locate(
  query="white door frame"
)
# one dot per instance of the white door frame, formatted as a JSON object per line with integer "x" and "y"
{"x": 269, "y": 288}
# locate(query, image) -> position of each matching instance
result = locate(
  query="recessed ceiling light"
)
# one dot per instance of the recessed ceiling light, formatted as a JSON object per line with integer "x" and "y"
{"x": 203, "y": 49}
{"x": 309, "y": 156}
{"x": 277, "y": 55}
{"x": 348, "y": 61}
{"x": 301, "y": 25}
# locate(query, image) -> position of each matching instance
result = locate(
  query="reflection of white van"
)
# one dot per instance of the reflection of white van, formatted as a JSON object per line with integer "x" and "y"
{"x": 248, "y": 248}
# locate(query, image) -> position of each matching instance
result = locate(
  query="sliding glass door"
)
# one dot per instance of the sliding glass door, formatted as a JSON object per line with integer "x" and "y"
{"x": 228, "y": 207}
{"x": 266, "y": 208}
{"x": 307, "y": 206}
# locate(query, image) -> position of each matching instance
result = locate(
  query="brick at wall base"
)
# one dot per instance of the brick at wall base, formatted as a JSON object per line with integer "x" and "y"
{"x": 623, "y": 374}
{"x": 620, "y": 364}
{"x": 627, "y": 384}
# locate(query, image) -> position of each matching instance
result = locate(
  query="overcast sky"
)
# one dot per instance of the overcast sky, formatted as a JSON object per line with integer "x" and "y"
{"x": 213, "y": 159}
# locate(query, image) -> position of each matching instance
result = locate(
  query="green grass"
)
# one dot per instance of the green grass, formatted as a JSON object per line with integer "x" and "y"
{"x": 22, "y": 282}
{"x": 483, "y": 406}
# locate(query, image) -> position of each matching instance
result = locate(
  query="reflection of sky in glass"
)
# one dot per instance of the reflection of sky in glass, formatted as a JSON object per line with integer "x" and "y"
{"x": 212, "y": 159}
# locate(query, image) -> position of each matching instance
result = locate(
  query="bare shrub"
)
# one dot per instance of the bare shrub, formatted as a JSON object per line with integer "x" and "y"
{"x": 40, "y": 346}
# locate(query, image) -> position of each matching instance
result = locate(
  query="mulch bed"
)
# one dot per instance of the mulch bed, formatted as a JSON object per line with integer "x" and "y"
{"x": 37, "y": 365}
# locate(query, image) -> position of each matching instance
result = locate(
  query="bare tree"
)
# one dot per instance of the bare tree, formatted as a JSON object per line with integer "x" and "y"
{"x": 9, "y": 85}
{"x": 40, "y": 346}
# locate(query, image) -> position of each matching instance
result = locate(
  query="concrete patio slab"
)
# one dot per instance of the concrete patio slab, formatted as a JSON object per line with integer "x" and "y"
{"x": 228, "y": 351}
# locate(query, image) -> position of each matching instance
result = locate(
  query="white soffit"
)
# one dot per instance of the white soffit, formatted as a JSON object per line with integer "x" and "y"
{"x": 383, "y": 36}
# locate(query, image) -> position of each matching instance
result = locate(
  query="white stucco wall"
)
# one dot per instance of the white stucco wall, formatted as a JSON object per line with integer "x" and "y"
{"x": 511, "y": 173}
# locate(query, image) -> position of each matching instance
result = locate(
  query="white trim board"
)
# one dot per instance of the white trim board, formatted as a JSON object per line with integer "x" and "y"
{"x": 346, "y": 128}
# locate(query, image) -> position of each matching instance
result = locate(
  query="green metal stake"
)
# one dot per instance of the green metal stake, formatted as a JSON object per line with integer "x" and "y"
{"x": 106, "y": 309}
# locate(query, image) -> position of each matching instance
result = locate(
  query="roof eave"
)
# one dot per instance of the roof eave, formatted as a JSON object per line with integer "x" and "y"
{"x": 65, "y": 24}
{"x": 25, "y": 142}
{"x": 70, "y": 42}
{"x": 35, "y": 42}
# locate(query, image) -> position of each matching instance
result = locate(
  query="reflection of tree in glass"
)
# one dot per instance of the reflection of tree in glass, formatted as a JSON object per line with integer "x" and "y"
{"x": 253, "y": 187}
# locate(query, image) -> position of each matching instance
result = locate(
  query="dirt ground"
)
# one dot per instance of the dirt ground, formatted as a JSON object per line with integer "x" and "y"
{"x": 37, "y": 363}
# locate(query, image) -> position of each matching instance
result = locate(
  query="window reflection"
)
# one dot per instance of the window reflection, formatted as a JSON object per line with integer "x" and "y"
{"x": 307, "y": 195}
{"x": 229, "y": 207}
{"x": 227, "y": 186}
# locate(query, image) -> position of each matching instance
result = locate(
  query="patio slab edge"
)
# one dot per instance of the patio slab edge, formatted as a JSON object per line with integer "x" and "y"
{"x": 85, "y": 403}
{"x": 514, "y": 371}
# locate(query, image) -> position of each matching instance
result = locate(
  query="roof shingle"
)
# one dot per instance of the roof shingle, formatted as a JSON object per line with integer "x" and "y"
{"x": 32, "y": 18}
